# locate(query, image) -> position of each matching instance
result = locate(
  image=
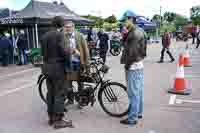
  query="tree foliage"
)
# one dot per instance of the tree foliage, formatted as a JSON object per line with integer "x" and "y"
{"x": 180, "y": 20}
{"x": 111, "y": 19}
{"x": 169, "y": 16}
{"x": 98, "y": 20}
{"x": 195, "y": 15}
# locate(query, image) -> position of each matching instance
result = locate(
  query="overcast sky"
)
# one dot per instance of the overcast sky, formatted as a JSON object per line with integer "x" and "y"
{"x": 118, "y": 7}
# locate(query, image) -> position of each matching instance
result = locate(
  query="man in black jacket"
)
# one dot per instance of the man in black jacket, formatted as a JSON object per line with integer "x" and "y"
{"x": 22, "y": 45}
{"x": 54, "y": 54}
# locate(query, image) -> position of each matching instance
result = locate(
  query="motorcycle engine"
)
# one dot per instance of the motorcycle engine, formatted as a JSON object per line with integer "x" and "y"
{"x": 86, "y": 96}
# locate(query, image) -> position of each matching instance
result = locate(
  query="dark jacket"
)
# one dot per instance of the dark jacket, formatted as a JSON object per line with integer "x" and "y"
{"x": 5, "y": 45}
{"x": 135, "y": 47}
{"x": 52, "y": 45}
{"x": 166, "y": 40}
{"x": 22, "y": 42}
{"x": 103, "y": 41}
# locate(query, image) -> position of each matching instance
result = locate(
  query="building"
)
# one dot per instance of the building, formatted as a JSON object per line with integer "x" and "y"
{"x": 35, "y": 20}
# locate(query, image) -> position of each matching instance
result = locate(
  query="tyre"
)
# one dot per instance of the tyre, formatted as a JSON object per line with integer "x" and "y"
{"x": 36, "y": 60}
{"x": 113, "y": 96}
{"x": 115, "y": 51}
{"x": 42, "y": 88}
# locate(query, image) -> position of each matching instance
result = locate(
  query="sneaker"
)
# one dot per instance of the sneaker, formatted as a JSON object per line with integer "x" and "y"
{"x": 127, "y": 122}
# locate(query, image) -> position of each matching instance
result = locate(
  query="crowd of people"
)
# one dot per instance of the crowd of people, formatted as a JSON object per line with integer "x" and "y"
{"x": 13, "y": 52}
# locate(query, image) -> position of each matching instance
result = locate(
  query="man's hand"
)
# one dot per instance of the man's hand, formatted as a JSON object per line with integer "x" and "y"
{"x": 76, "y": 52}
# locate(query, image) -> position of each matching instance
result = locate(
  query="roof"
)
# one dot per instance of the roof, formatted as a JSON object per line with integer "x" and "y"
{"x": 46, "y": 10}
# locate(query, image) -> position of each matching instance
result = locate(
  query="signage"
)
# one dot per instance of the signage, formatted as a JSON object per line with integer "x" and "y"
{"x": 11, "y": 21}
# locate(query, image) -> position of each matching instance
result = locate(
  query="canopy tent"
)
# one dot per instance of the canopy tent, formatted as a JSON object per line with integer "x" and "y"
{"x": 145, "y": 24}
{"x": 141, "y": 21}
{"x": 36, "y": 18}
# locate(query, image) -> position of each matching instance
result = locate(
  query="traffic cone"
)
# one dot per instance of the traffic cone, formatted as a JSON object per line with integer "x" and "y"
{"x": 180, "y": 84}
{"x": 187, "y": 57}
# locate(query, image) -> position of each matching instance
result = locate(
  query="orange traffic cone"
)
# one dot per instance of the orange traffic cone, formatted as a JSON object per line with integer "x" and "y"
{"x": 180, "y": 84}
{"x": 187, "y": 58}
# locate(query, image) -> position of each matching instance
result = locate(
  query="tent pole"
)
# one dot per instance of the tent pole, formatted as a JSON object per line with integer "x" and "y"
{"x": 27, "y": 32}
{"x": 13, "y": 43}
{"x": 33, "y": 37}
{"x": 36, "y": 33}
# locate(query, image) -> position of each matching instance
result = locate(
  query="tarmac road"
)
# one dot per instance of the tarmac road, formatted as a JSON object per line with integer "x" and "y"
{"x": 22, "y": 110}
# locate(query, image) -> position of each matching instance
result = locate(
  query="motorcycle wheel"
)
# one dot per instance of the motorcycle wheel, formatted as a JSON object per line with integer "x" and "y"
{"x": 36, "y": 60}
{"x": 115, "y": 51}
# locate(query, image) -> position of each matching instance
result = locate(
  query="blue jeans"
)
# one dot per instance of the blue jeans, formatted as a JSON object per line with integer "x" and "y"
{"x": 135, "y": 93}
{"x": 22, "y": 54}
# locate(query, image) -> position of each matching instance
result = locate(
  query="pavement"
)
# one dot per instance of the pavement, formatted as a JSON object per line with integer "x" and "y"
{"x": 22, "y": 110}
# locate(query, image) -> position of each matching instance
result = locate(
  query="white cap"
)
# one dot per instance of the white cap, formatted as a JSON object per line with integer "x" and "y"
{"x": 7, "y": 34}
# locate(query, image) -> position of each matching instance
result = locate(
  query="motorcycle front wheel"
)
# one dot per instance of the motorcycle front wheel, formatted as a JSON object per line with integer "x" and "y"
{"x": 115, "y": 51}
{"x": 113, "y": 99}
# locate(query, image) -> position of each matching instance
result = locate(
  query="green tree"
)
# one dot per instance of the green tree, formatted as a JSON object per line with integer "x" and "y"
{"x": 156, "y": 18}
{"x": 195, "y": 15}
{"x": 180, "y": 21}
{"x": 169, "y": 16}
{"x": 98, "y": 20}
{"x": 111, "y": 19}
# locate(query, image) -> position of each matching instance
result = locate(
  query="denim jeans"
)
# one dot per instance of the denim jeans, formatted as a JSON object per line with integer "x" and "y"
{"x": 22, "y": 54}
{"x": 135, "y": 93}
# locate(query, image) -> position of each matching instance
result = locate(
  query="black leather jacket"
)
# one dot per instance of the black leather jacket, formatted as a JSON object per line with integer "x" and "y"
{"x": 135, "y": 47}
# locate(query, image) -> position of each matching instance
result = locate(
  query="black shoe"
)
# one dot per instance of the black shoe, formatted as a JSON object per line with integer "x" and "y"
{"x": 172, "y": 60}
{"x": 140, "y": 117}
{"x": 161, "y": 61}
{"x": 65, "y": 110}
{"x": 63, "y": 124}
{"x": 70, "y": 102}
{"x": 126, "y": 122}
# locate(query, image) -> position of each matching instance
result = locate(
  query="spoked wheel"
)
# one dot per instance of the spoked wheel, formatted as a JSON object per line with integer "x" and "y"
{"x": 115, "y": 51}
{"x": 113, "y": 98}
{"x": 43, "y": 88}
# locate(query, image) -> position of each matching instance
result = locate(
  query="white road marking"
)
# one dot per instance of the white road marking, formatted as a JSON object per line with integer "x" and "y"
{"x": 16, "y": 73}
{"x": 187, "y": 101}
{"x": 172, "y": 99}
{"x": 4, "y": 93}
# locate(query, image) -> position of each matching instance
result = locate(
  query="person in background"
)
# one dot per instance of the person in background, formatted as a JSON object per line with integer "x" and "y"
{"x": 22, "y": 45}
{"x": 90, "y": 35}
{"x": 193, "y": 35}
{"x": 166, "y": 41}
{"x": 5, "y": 45}
{"x": 133, "y": 54}
{"x": 103, "y": 44}
{"x": 54, "y": 53}
{"x": 198, "y": 39}
{"x": 91, "y": 41}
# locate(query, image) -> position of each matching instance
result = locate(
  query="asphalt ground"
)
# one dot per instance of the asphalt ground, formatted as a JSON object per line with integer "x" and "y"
{"x": 22, "y": 110}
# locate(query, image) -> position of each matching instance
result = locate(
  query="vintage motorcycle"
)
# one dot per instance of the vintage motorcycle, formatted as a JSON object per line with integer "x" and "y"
{"x": 112, "y": 96}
